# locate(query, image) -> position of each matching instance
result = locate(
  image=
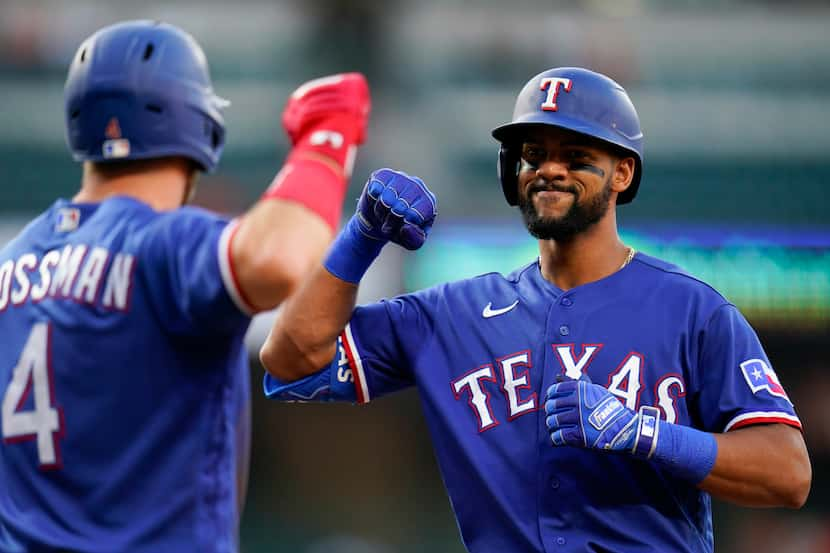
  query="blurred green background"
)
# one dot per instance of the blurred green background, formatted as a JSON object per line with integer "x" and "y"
{"x": 734, "y": 98}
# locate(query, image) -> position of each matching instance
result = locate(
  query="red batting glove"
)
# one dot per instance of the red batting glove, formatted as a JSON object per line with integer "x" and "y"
{"x": 326, "y": 120}
{"x": 328, "y": 116}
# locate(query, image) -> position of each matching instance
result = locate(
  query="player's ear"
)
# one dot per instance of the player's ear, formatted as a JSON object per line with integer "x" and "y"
{"x": 623, "y": 174}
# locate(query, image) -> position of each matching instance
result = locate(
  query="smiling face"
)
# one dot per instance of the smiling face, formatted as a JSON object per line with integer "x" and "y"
{"x": 567, "y": 182}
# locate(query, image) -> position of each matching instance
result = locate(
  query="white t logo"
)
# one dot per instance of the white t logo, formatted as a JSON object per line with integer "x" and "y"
{"x": 552, "y": 85}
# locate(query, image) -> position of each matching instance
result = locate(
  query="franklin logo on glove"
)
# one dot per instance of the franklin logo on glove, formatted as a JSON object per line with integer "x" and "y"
{"x": 605, "y": 413}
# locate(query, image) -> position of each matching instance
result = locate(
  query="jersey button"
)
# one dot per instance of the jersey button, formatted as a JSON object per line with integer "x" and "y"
{"x": 554, "y": 484}
{"x": 561, "y": 541}
{"x": 564, "y": 330}
{"x": 567, "y": 302}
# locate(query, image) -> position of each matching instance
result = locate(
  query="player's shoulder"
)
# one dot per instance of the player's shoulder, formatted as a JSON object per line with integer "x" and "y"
{"x": 188, "y": 216}
{"x": 489, "y": 285}
{"x": 33, "y": 226}
{"x": 58, "y": 219}
{"x": 668, "y": 277}
{"x": 183, "y": 225}
{"x": 493, "y": 279}
{"x": 662, "y": 269}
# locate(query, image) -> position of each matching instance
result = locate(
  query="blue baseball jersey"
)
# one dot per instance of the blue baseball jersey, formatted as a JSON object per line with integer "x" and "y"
{"x": 482, "y": 352}
{"x": 124, "y": 381}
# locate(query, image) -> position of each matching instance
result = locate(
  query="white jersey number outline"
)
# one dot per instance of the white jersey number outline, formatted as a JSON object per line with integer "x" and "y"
{"x": 44, "y": 423}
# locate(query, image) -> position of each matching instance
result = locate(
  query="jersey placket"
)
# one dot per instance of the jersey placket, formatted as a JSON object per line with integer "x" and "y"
{"x": 554, "y": 525}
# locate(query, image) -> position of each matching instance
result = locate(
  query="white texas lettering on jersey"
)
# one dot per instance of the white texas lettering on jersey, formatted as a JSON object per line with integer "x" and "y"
{"x": 625, "y": 382}
{"x": 670, "y": 388}
{"x": 478, "y": 397}
{"x": 574, "y": 368}
{"x": 344, "y": 373}
{"x": 513, "y": 382}
{"x": 553, "y": 84}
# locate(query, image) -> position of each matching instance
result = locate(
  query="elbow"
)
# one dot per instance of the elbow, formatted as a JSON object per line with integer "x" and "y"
{"x": 269, "y": 360}
{"x": 798, "y": 479}
{"x": 268, "y": 279}
{"x": 799, "y": 488}
{"x": 271, "y": 363}
{"x": 285, "y": 361}
{"x": 280, "y": 276}
{"x": 288, "y": 273}
{"x": 796, "y": 495}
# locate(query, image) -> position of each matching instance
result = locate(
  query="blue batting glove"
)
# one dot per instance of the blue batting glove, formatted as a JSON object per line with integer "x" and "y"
{"x": 583, "y": 414}
{"x": 396, "y": 207}
{"x": 393, "y": 207}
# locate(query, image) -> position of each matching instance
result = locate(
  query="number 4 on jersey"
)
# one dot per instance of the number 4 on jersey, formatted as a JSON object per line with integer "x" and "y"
{"x": 32, "y": 374}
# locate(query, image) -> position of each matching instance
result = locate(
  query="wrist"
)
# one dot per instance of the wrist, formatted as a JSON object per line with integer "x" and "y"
{"x": 313, "y": 183}
{"x": 301, "y": 155}
{"x": 684, "y": 452}
{"x": 647, "y": 432}
{"x": 352, "y": 253}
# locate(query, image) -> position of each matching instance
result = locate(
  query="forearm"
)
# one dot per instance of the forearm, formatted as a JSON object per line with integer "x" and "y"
{"x": 279, "y": 241}
{"x": 275, "y": 246}
{"x": 761, "y": 466}
{"x": 758, "y": 466}
{"x": 304, "y": 335}
{"x": 393, "y": 207}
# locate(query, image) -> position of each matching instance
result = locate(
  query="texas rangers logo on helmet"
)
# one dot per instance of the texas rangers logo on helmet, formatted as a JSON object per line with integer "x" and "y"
{"x": 553, "y": 86}
{"x": 760, "y": 376}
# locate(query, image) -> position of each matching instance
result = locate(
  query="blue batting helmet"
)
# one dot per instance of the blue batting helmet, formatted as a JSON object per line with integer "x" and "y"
{"x": 141, "y": 90}
{"x": 578, "y": 100}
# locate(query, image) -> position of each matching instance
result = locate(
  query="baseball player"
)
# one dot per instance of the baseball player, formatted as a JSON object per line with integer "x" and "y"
{"x": 123, "y": 374}
{"x": 592, "y": 400}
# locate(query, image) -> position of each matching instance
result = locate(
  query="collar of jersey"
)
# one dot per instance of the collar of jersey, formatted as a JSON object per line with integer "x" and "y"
{"x": 609, "y": 283}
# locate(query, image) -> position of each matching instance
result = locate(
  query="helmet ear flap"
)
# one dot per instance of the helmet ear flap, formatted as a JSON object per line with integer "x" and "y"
{"x": 509, "y": 157}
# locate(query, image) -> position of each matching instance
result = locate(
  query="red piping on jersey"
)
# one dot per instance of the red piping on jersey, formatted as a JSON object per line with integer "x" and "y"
{"x": 766, "y": 420}
{"x": 248, "y": 304}
{"x": 358, "y": 386}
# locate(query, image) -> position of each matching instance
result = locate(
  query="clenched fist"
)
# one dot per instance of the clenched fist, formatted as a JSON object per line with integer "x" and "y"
{"x": 328, "y": 116}
{"x": 394, "y": 207}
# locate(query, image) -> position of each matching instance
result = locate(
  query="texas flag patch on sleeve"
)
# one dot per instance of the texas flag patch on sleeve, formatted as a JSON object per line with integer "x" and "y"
{"x": 760, "y": 376}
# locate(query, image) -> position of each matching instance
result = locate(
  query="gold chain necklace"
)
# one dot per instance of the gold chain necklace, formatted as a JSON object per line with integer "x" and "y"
{"x": 628, "y": 258}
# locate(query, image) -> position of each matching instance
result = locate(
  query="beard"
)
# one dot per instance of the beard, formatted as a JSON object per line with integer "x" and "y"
{"x": 576, "y": 220}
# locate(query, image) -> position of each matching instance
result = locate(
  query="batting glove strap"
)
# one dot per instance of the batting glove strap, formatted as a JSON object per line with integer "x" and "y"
{"x": 648, "y": 430}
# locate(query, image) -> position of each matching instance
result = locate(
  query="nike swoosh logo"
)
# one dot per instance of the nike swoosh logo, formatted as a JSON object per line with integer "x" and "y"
{"x": 489, "y": 312}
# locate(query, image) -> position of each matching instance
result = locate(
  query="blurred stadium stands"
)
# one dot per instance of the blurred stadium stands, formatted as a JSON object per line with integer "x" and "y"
{"x": 734, "y": 97}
